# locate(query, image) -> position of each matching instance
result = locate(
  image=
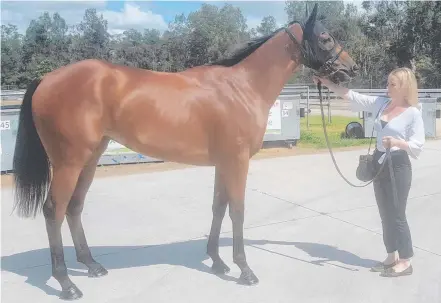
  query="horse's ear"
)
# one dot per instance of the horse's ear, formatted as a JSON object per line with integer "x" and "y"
{"x": 312, "y": 18}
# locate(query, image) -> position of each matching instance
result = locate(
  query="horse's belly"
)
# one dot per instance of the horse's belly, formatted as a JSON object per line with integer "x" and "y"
{"x": 176, "y": 144}
{"x": 176, "y": 149}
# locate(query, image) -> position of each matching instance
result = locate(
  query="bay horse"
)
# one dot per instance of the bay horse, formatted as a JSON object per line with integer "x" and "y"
{"x": 210, "y": 115}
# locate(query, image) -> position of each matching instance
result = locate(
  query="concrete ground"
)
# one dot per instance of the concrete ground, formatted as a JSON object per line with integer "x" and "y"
{"x": 310, "y": 237}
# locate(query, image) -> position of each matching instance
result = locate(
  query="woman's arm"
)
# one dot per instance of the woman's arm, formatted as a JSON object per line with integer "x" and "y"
{"x": 417, "y": 136}
{"x": 359, "y": 102}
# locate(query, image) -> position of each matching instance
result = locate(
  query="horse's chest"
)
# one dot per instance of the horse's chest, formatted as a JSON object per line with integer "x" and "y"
{"x": 245, "y": 126}
{"x": 254, "y": 132}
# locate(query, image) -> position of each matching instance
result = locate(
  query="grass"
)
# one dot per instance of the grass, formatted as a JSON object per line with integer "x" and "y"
{"x": 315, "y": 138}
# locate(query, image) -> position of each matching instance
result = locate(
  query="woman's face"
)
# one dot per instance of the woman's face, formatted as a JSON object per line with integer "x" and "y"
{"x": 393, "y": 87}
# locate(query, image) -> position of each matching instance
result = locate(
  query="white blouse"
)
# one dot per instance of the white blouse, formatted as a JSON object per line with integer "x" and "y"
{"x": 407, "y": 126}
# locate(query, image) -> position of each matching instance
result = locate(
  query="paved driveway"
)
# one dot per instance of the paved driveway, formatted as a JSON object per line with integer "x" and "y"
{"x": 310, "y": 237}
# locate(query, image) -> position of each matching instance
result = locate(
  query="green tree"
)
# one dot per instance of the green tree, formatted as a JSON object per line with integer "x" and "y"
{"x": 45, "y": 46}
{"x": 380, "y": 36}
{"x": 11, "y": 42}
{"x": 213, "y": 32}
{"x": 267, "y": 26}
{"x": 91, "y": 38}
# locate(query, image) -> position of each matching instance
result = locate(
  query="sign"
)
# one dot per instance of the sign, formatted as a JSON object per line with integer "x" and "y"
{"x": 287, "y": 105}
{"x": 5, "y": 125}
{"x": 274, "y": 124}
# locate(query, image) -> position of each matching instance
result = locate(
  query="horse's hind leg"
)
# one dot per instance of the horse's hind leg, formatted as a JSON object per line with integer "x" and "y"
{"x": 220, "y": 202}
{"x": 66, "y": 175}
{"x": 63, "y": 184}
{"x": 75, "y": 209}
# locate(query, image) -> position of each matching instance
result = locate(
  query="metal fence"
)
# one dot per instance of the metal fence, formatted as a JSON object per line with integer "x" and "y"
{"x": 430, "y": 100}
{"x": 309, "y": 98}
{"x": 12, "y": 95}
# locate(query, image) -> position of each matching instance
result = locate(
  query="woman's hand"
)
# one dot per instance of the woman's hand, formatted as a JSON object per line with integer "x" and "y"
{"x": 316, "y": 79}
{"x": 389, "y": 142}
{"x": 339, "y": 90}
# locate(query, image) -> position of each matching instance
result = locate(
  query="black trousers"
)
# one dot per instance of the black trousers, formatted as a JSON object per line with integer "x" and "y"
{"x": 396, "y": 232}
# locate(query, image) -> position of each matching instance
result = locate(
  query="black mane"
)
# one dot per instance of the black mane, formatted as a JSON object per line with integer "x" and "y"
{"x": 247, "y": 49}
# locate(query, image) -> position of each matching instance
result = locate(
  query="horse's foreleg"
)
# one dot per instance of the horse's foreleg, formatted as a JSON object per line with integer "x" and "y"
{"x": 220, "y": 201}
{"x": 75, "y": 209}
{"x": 234, "y": 174}
{"x": 61, "y": 189}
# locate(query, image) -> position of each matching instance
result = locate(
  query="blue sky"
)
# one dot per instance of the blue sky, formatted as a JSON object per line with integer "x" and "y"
{"x": 164, "y": 8}
{"x": 168, "y": 9}
{"x": 122, "y": 15}
{"x": 131, "y": 14}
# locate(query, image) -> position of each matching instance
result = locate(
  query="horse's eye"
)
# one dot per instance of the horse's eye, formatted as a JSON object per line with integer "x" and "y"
{"x": 324, "y": 35}
{"x": 325, "y": 38}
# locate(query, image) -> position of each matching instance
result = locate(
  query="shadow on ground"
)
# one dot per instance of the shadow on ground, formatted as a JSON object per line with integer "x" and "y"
{"x": 190, "y": 254}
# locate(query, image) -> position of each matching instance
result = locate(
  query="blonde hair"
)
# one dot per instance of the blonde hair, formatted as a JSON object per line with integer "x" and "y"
{"x": 408, "y": 82}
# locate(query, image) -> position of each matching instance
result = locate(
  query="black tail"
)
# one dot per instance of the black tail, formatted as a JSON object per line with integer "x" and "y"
{"x": 30, "y": 164}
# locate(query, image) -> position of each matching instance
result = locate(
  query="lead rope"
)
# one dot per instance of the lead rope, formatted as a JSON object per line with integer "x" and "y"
{"x": 388, "y": 155}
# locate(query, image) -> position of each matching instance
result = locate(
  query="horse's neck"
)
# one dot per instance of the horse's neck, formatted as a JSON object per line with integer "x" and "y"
{"x": 269, "y": 67}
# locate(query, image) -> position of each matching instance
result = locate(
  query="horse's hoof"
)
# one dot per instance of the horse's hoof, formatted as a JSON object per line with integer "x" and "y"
{"x": 248, "y": 278}
{"x": 72, "y": 293}
{"x": 220, "y": 268}
{"x": 97, "y": 271}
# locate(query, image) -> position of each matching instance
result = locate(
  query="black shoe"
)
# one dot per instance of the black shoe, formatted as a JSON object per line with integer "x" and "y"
{"x": 380, "y": 266}
{"x": 390, "y": 272}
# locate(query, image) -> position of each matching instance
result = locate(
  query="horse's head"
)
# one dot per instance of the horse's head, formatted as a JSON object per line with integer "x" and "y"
{"x": 322, "y": 52}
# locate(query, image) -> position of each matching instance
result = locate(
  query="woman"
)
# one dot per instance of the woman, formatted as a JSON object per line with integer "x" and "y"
{"x": 400, "y": 127}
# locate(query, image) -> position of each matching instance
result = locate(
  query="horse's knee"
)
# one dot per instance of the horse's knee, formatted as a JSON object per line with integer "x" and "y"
{"x": 236, "y": 215}
{"x": 219, "y": 208}
{"x": 75, "y": 208}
